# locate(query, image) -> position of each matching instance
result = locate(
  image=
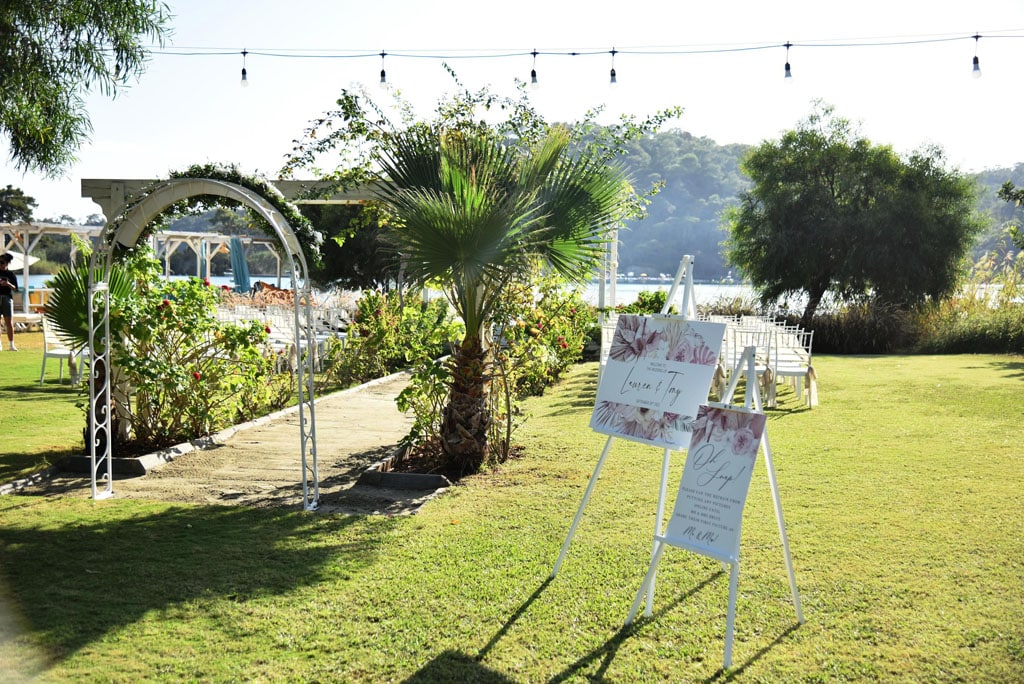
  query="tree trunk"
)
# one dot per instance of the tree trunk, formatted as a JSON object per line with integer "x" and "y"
{"x": 814, "y": 298}
{"x": 466, "y": 418}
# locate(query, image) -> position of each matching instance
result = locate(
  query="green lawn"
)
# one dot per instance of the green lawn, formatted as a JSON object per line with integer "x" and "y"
{"x": 40, "y": 424}
{"x": 902, "y": 491}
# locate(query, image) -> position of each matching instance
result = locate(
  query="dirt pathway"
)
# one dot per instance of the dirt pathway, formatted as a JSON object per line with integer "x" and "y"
{"x": 262, "y": 466}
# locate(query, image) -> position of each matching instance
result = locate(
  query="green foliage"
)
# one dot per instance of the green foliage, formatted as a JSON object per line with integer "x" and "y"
{"x": 475, "y": 206}
{"x": 700, "y": 180}
{"x": 987, "y": 316}
{"x": 425, "y": 396}
{"x": 389, "y": 334}
{"x": 186, "y": 373}
{"x": 1014, "y": 196}
{"x": 186, "y": 369}
{"x": 354, "y": 254}
{"x": 647, "y": 302}
{"x": 54, "y": 54}
{"x": 15, "y": 205}
{"x": 832, "y": 213}
{"x": 864, "y": 328}
{"x": 541, "y": 328}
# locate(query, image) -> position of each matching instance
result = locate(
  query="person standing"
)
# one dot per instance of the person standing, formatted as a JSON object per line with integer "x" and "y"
{"x": 8, "y": 286}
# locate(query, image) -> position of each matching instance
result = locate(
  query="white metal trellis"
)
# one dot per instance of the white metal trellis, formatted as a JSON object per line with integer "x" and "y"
{"x": 125, "y": 225}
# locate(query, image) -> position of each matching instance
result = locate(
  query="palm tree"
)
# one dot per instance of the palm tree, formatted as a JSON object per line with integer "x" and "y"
{"x": 475, "y": 212}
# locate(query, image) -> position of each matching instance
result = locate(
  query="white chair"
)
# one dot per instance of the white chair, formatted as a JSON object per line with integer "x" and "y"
{"x": 55, "y": 347}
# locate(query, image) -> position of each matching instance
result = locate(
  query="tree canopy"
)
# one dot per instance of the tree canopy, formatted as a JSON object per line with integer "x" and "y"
{"x": 1015, "y": 196}
{"x": 830, "y": 212}
{"x": 15, "y": 205}
{"x": 51, "y": 55}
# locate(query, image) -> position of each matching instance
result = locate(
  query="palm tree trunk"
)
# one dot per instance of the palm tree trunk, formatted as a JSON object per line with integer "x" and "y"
{"x": 466, "y": 418}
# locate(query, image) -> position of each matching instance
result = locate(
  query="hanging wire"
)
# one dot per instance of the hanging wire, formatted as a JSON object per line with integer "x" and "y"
{"x": 976, "y": 70}
{"x": 309, "y": 53}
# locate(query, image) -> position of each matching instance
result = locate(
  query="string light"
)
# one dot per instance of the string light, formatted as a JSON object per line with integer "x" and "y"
{"x": 976, "y": 71}
{"x": 662, "y": 51}
{"x": 383, "y": 74}
{"x": 245, "y": 75}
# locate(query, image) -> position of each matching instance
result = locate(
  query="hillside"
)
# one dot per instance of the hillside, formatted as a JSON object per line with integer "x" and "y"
{"x": 702, "y": 178}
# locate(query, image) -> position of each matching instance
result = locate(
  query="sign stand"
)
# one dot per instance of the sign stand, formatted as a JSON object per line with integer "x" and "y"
{"x": 704, "y": 542}
{"x": 684, "y": 274}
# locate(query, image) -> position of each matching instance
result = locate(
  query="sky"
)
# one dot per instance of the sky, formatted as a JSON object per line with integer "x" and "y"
{"x": 192, "y": 109}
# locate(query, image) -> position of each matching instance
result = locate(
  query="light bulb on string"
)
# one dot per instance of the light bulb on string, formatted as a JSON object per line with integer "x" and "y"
{"x": 613, "y": 80}
{"x": 245, "y": 74}
{"x": 789, "y": 72}
{"x": 976, "y": 70}
{"x": 383, "y": 74}
{"x": 533, "y": 72}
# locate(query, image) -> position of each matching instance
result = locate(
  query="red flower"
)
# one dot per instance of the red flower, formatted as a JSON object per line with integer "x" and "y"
{"x": 196, "y": 375}
{"x": 267, "y": 328}
{"x": 206, "y": 282}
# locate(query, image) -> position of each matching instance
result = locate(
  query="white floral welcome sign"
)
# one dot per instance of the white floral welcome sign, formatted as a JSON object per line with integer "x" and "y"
{"x": 716, "y": 477}
{"x": 658, "y": 373}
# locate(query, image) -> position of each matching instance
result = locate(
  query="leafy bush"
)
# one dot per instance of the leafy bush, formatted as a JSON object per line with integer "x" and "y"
{"x": 647, "y": 302}
{"x": 189, "y": 374}
{"x": 389, "y": 334}
{"x": 540, "y": 329}
{"x": 864, "y": 328}
{"x": 988, "y": 316}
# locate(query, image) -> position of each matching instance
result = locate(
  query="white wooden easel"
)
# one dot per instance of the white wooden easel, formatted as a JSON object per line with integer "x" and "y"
{"x": 752, "y": 402}
{"x": 685, "y": 274}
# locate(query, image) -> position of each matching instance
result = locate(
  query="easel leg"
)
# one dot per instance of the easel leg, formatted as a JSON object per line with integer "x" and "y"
{"x": 730, "y": 620}
{"x": 645, "y": 586}
{"x": 777, "y": 502}
{"x": 662, "y": 493}
{"x": 583, "y": 505}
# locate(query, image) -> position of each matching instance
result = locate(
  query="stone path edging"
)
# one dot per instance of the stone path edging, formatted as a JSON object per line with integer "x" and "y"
{"x": 158, "y": 458}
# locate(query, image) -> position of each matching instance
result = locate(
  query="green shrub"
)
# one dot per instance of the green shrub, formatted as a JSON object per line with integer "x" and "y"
{"x": 186, "y": 370}
{"x": 389, "y": 334}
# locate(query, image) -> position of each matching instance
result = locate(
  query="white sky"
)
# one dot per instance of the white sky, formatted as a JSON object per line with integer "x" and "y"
{"x": 189, "y": 110}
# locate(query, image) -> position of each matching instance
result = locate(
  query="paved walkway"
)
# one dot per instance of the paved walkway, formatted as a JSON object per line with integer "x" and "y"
{"x": 260, "y": 464}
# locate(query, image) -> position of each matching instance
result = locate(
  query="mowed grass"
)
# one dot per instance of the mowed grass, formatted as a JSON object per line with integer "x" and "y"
{"x": 902, "y": 495}
{"x": 40, "y": 423}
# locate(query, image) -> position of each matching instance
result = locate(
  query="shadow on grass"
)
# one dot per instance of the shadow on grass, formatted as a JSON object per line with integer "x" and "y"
{"x": 1013, "y": 369}
{"x": 33, "y": 390}
{"x": 455, "y": 667}
{"x": 606, "y": 652}
{"x": 79, "y": 576}
{"x": 512, "y": 620}
{"x": 733, "y": 672}
{"x": 15, "y": 465}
